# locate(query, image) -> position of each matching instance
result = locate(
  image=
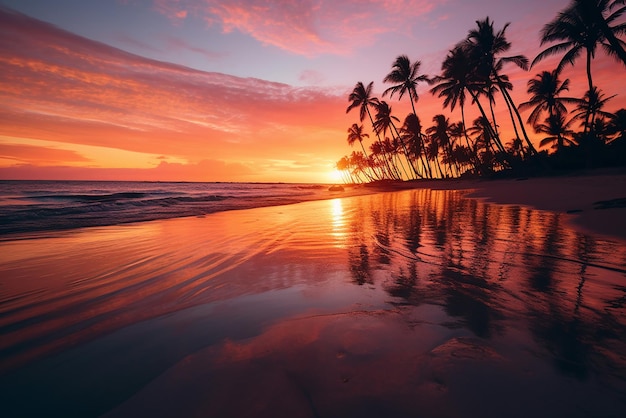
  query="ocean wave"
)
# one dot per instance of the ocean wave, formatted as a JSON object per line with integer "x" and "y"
{"x": 68, "y": 205}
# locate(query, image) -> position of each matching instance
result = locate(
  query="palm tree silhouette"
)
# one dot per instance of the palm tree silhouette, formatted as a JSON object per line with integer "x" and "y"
{"x": 454, "y": 81}
{"x": 411, "y": 133}
{"x": 384, "y": 122}
{"x": 406, "y": 76}
{"x": 617, "y": 126}
{"x": 355, "y": 133}
{"x": 591, "y": 106}
{"x": 545, "y": 89}
{"x": 558, "y": 131}
{"x": 484, "y": 47}
{"x": 582, "y": 26}
{"x": 441, "y": 133}
{"x": 361, "y": 97}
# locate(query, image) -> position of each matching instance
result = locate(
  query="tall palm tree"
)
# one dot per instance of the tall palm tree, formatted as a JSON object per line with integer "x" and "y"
{"x": 581, "y": 27}
{"x": 545, "y": 90}
{"x": 485, "y": 45}
{"x": 406, "y": 76}
{"x": 385, "y": 122}
{"x": 361, "y": 98}
{"x": 455, "y": 80}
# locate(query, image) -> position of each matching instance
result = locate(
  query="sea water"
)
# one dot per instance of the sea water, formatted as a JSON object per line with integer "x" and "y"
{"x": 30, "y": 206}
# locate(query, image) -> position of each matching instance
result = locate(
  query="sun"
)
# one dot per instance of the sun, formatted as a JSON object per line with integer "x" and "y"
{"x": 334, "y": 176}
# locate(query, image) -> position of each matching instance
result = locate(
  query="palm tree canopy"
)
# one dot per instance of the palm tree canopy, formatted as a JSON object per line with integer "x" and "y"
{"x": 384, "y": 118}
{"x": 455, "y": 78}
{"x": 485, "y": 45}
{"x": 545, "y": 90}
{"x": 593, "y": 103}
{"x": 583, "y": 25}
{"x": 355, "y": 133}
{"x": 406, "y": 76}
{"x": 361, "y": 97}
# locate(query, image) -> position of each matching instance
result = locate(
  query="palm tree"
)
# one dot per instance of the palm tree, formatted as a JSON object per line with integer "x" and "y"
{"x": 617, "y": 126}
{"x": 455, "y": 80}
{"x": 558, "y": 131}
{"x": 441, "y": 133}
{"x": 582, "y": 26}
{"x": 545, "y": 90}
{"x": 384, "y": 122}
{"x": 590, "y": 106}
{"x": 604, "y": 14}
{"x": 355, "y": 133}
{"x": 485, "y": 45}
{"x": 411, "y": 134}
{"x": 405, "y": 74}
{"x": 361, "y": 98}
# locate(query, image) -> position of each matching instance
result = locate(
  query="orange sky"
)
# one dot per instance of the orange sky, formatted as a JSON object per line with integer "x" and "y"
{"x": 75, "y": 108}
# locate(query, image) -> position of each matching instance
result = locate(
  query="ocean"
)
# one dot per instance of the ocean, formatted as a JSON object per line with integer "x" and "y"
{"x": 34, "y": 206}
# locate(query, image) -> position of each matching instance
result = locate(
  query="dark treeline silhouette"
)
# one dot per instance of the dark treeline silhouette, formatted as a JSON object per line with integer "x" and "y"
{"x": 574, "y": 132}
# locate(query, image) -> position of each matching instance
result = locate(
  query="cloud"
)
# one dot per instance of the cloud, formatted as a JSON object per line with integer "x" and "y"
{"x": 29, "y": 154}
{"x": 307, "y": 27}
{"x": 178, "y": 44}
{"x": 60, "y": 87}
{"x": 205, "y": 170}
{"x": 311, "y": 77}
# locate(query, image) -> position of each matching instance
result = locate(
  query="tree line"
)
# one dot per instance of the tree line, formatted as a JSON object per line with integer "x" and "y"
{"x": 577, "y": 130}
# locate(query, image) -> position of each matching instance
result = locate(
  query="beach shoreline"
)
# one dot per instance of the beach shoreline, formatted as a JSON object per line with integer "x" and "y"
{"x": 592, "y": 201}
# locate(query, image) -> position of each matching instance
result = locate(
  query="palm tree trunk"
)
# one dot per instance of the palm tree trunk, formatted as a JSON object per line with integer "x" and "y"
{"x": 492, "y": 131}
{"x": 422, "y": 144}
{"x": 512, "y": 107}
{"x": 590, "y": 89}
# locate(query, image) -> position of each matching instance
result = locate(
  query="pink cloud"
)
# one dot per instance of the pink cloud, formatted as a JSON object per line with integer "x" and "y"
{"x": 29, "y": 154}
{"x": 60, "y": 87}
{"x": 305, "y": 27}
{"x": 205, "y": 170}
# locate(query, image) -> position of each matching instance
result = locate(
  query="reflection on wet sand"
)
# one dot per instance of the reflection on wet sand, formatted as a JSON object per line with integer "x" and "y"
{"x": 413, "y": 303}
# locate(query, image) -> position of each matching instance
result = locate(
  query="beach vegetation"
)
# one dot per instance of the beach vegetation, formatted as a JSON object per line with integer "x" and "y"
{"x": 571, "y": 132}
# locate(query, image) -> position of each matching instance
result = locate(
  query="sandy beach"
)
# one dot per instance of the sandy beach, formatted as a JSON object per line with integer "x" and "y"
{"x": 584, "y": 197}
{"x": 397, "y": 303}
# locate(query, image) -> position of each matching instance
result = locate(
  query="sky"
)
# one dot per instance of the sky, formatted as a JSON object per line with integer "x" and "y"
{"x": 241, "y": 90}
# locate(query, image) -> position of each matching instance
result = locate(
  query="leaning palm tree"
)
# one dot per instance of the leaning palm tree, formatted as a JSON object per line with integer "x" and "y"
{"x": 385, "y": 122}
{"x": 455, "y": 80}
{"x": 355, "y": 133}
{"x": 485, "y": 46}
{"x": 361, "y": 98}
{"x": 406, "y": 77}
{"x": 545, "y": 90}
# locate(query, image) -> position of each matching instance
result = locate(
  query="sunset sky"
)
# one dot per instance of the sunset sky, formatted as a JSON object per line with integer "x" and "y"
{"x": 241, "y": 90}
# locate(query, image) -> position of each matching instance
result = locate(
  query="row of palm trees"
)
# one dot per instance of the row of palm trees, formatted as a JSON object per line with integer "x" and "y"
{"x": 472, "y": 72}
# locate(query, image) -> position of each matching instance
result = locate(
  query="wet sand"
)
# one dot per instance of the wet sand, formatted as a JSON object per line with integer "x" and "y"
{"x": 594, "y": 201}
{"x": 406, "y": 303}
